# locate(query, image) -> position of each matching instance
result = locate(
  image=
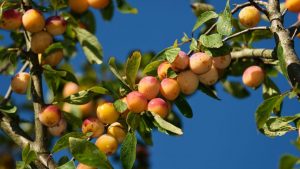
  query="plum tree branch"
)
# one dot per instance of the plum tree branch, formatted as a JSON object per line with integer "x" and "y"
{"x": 253, "y": 53}
{"x": 245, "y": 31}
{"x": 283, "y": 38}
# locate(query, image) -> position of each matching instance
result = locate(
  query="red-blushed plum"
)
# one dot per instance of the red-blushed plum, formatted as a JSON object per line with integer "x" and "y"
{"x": 181, "y": 61}
{"x": 69, "y": 89}
{"x": 19, "y": 82}
{"x": 222, "y": 62}
{"x": 158, "y": 106}
{"x": 40, "y": 41}
{"x": 200, "y": 63}
{"x": 210, "y": 77}
{"x": 293, "y": 5}
{"x": 149, "y": 87}
{"x": 188, "y": 82}
{"x": 107, "y": 144}
{"x": 253, "y": 76}
{"x": 11, "y": 19}
{"x": 33, "y": 21}
{"x": 107, "y": 113}
{"x": 249, "y": 16}
{"x": 136, "y": 102}
{"x": 94, "y": 125}
{"x": 50, "y": 115}
{"x": 162, "y": 70}
{"x": 56, "y": 25}
{"x": 169, "y": 88}
{"x": 59, "y": 128}
{"x": 117, "y": 130}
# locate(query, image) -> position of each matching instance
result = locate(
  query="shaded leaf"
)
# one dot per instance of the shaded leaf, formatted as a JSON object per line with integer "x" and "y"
{"x": 125, "y": 7}
{"x": 68, "y": 165}
{"x": 288, "y": 161}
{"x": 208, "y": 91}
{"x": 8, "y": 108}
{"x": 87, "y": 153}
{"x": 108, "y": 12}
{"x": 63, "y": 141}
{"x": 128, "y": 150}
{"x": 133, "y": 120}
{"x": 84, "y": 96}
{"x": 90, "y": 45}
{"x": 184, "y": 106}
{"x": 236, "y": 89}
{"x": 113, "y": 68}
{"x": 269, "y": 88}
{"x": 151, "y": 68}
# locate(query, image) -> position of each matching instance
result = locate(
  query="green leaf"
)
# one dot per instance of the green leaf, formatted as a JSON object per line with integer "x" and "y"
{"x": 215, "y": 52}
{"x": 151, "y": 68}
{"x": 28, "y": 156}
{"x": 184, "y": 106}
{"x": 84, "y": 96}
{"x": 169, "y": 54}
{"x": 68, "y": 165}
{"x": 90, "y": 45}
{"x": 288, "y": 161}
{"x": 126, "y": 8}
{"x": 166, "y": 125}
{"x": 64, "y": 75}
{"x": 75, "y": 121}
{"x": 269, "y": 88}
{"x": 208, "y": 91}
{"x": 282, "y": 63}
{"x": 63, "y": 141}
{"x": 128, "y": 150}
{"x": 211, "y": 41}
{"x": 120, "y": 106}
{"x": 113, "y": 68}
{"x": 54, "y": 47}
{"x": 224, "y": 25}
{"x": 108, "y": 12}
{"x": 204, "y": 17}
{"x": 144, "y": 131}
{"x": 265, "y": 109}
{"x": 58, "y": 4}
{"x": 87, "y": 153}
{"x": 133, "y": 120}
{"x": 171, "y": 74}
{"x": 8, "y": 108}
{"x": 194, "y": 45}
{"x": 236, "y": 89}
{"x": 132, "y": 68}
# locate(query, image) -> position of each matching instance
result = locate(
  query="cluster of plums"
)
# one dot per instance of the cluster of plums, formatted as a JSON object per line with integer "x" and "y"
{"x": 42, "y": 31}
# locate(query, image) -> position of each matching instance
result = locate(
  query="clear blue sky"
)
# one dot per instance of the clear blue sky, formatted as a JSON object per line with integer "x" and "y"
{"x": 222, "y": 134}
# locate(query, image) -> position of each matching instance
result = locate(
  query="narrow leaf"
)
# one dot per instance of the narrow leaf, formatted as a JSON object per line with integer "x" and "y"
{"x": 208, "y": 91}
{"x": 63, "y": 141}
{"x": 166, "y": 125}
{"x": 184, "y": 106}
{"x": 8, "y": 108}
{"x": 224, "y": 25}
{"x": 132, "y": 68}
{"x": 125, "y": 7}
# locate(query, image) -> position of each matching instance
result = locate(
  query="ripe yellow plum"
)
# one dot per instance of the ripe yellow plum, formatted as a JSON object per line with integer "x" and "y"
{"x": 253, "y": 76}
{"x": 169, "y": 88}
{"x": 40, "y": 41}
{"x": 200, "y": 63}
{"x": 117, "y": 130}
{"x": 107, "y": 113}
{"x": 188, "y": 82}
{"x": 210, "y": 77}
{"x": 149, "y": 87}
{"x": 33, "y": 21}
{"x": 50, "y": 115}
{"x": 159, "y": 106}
{"x": 19, "y": 82}
{"x": 249, "y": 16}
{"x": 94, "y": 125}
{"x": 107, "y": 144}
{"x": 56, "y": 25}
{"x": 136, "y": 102}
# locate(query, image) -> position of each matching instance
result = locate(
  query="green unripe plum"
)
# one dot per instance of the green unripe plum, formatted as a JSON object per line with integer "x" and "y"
{"x": 169, "y": 88}
{"x": 149, "y": 87}
{"x": 107, "y": 144}
{"x": 210, "y": 77}
{"x": 136, "y": 102}
{"x": 158, "y": 106}
{"x": 188, "y": 82}
{"x": 200, "y": 63}
{"x": 50, "y": 115}
{"x": 92, "y": 124}
{"x": 19, "y": 82}
{"x": 107, "y": 113}
{"x": 253, "y": 76}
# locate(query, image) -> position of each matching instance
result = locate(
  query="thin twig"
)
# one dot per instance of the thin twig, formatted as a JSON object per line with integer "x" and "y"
{"x": 245, "y": 31}
{"x": 255, "y": 4}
